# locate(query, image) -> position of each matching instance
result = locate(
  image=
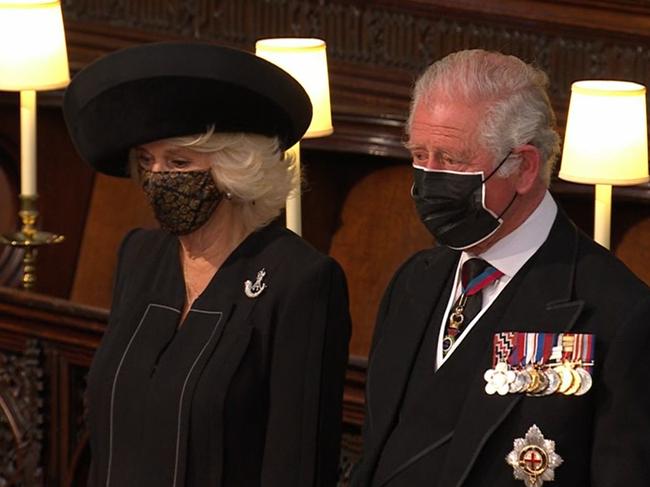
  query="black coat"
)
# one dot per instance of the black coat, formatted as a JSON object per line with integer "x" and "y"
{"x": 569, "y": 284}
{"x": 246, "y": 393}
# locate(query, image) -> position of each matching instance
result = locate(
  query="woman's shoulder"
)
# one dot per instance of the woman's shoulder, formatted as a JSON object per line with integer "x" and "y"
{"x": 293, "y": 250}
{"x": 141, "y": 244}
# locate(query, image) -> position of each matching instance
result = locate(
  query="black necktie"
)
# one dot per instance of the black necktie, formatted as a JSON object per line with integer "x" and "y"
{"x": 468, "y": 305}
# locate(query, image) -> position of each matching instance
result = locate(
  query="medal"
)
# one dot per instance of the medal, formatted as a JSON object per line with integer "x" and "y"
{"x": 575, "y": 383}
{"x": 553, "y": 382}
{"x": 533, "y": 458}
{"x": 534, "y": 378}
{"x": 585, "y": 383}
{"x": 540, "y": 364}
{"x": 542, "y": 383}
{"x": 499, "y": 379}
{"x": 521, "y": 383}
{"x": 566, "y": 378}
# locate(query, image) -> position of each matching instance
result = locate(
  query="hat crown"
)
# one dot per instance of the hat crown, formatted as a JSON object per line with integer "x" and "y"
{"x": 160, "y": 90}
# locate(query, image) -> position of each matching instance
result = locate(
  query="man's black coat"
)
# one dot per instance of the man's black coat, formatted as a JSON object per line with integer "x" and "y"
{"x": 570, "y": 284}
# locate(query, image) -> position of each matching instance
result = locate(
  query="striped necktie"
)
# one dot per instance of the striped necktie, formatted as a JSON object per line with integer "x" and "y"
{"x": 476, "y": 274}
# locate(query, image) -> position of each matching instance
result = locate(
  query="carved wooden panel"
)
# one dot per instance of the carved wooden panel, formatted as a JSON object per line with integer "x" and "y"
{"x": 21, "y": 417}
{"x": 377, "y": 48}
{"x": 403, "y": 35}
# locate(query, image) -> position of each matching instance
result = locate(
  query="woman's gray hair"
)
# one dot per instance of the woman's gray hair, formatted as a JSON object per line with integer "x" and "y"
{"x": 252, "y": 169}
{"x": 510, "y": 96}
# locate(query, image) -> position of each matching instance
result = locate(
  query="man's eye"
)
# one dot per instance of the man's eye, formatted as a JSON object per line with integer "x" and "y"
{"x": 420, "y": 156}
{"x": 446, "y": 159}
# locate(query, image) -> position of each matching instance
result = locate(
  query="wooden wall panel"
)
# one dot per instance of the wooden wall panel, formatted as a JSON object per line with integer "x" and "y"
{"x": 379, "y": 231}
{"x": 117, "y": 206}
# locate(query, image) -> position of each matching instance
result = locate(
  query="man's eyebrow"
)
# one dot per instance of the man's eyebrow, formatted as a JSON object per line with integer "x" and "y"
{"x": 410, "y": 145}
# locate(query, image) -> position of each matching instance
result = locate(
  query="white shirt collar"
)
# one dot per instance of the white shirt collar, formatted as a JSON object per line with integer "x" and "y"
{"x": 510, "y": 253}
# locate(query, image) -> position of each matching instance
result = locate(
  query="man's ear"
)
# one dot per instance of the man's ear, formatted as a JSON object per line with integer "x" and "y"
{"x": 528, "y": 169}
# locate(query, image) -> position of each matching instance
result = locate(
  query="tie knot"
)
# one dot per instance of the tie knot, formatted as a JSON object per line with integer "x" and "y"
{"x": 472, "y": 268}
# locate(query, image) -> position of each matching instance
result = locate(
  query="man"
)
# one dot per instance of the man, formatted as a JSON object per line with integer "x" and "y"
{"x": 515, "y": 352}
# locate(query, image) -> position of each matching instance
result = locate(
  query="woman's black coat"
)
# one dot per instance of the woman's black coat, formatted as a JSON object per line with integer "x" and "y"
{"x": 247, "y": 392}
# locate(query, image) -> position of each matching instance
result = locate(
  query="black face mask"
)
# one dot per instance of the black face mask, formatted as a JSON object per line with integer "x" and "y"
{"x": 452, "y": 206}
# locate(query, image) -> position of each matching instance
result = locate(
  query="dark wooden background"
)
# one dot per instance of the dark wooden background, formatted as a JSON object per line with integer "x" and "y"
{"x": 356, "y": 205}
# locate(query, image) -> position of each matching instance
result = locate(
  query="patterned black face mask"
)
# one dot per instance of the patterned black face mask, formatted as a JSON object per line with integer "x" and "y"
{"x": 181, "y": 200}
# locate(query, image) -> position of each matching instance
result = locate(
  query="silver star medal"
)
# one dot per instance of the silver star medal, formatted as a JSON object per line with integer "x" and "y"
{"x": 499, "y": 379}
{"x": 254, "y": 289}
{"x": 534, "y": 459}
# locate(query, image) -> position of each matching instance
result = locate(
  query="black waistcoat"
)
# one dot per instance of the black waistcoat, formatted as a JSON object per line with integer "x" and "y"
{"x": 432, "y": 402}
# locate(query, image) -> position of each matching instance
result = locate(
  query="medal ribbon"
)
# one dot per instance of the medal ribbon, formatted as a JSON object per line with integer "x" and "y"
{"x": 484, "y": 279}
{"x": 583, "y": 350}
{"x": 503, "y": 344}
{"x": 519, "y": 349}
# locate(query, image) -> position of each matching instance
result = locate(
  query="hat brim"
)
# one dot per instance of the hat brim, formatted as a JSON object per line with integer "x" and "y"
{"x": 155, "y": 91}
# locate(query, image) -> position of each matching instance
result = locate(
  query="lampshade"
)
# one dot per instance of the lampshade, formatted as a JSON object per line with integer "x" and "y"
{"x": 306, "y": 61}
{"x": 606, "y": 134}
{"x": 32, "y": 46}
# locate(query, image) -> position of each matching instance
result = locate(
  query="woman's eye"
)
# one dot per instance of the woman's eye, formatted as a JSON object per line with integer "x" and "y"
{"x": 179, "y": 163}
{"x": 143, "y": 160}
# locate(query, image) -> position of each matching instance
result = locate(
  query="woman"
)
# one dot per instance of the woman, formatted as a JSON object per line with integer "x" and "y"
{"x": 224, "y": 357}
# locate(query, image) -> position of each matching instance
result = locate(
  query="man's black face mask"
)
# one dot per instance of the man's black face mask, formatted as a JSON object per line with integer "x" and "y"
{"x": 452, "y": 206}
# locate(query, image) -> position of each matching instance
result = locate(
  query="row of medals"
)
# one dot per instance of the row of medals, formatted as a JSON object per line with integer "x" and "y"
{"x": 567, "y": 377}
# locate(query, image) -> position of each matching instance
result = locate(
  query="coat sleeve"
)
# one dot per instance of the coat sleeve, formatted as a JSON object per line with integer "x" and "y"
{"x": 361, "y": 472}
{"x": 621, "y": 445}
{"x": 309, "y": 358}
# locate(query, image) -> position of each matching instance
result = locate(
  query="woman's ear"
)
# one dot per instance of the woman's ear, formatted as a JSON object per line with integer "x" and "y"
{"x": 528, "y": 170}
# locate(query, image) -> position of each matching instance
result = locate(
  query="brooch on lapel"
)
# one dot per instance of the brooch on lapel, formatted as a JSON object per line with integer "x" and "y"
{"x": 541, "y": 364}
{"x": 533, "y": 458}
{"x": 254, "y": 289}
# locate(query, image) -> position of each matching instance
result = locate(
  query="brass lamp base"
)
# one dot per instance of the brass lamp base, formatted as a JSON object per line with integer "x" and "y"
{"x": 29, "y": 238}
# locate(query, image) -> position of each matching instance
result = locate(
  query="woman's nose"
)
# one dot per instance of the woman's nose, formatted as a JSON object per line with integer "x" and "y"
{"x": 156, "y": 166}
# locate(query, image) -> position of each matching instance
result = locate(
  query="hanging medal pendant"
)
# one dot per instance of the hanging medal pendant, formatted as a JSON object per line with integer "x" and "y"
{"x": 447, "y": 343}
{"x": 453, "y": 326}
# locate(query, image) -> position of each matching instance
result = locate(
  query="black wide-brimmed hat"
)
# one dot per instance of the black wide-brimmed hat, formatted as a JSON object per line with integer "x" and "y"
{"x": 155, "y": 91}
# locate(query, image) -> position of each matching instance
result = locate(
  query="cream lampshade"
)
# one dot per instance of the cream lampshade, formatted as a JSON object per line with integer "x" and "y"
{"x": 33, "y": 57}
{"x": 33, "y": 53}
{"x": 306, "y": 61}
{"x": 605, "y": 142}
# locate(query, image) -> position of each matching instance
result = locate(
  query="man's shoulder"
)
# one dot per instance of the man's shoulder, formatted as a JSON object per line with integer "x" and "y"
{"x": 424, "y": 259}
{"x": 599, "y": 271}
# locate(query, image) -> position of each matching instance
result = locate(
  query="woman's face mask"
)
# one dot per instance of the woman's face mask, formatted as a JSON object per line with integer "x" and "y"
{"x": 452, "y": 206}
{"x": 181, "y": 200}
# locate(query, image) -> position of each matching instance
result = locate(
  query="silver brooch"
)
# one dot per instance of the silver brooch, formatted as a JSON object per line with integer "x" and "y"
{"x": 534, "y": 459}
{"x": 254, "y": 289}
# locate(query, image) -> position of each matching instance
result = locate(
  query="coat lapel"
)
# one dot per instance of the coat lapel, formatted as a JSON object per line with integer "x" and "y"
{"x": 548, "y": 277}
{"x": 395, "y": 353}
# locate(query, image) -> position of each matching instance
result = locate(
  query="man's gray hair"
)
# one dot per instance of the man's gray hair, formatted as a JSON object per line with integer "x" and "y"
{"x": 511, "y": 98}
